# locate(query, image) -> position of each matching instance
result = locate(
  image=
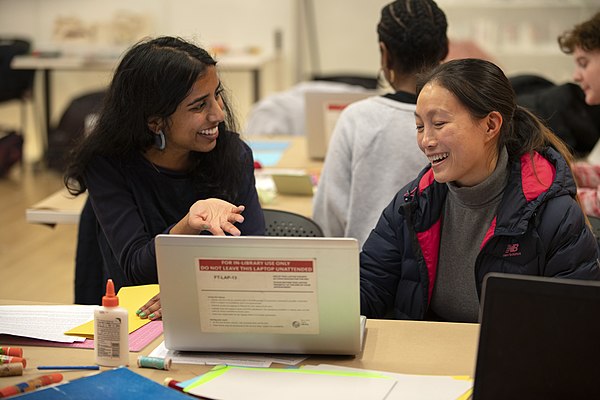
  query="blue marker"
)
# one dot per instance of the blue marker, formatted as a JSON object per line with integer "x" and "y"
{"x": 93, "y": 367}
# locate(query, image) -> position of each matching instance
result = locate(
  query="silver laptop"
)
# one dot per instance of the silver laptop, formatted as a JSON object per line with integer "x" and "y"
{"x": 260, "y": 294}
{"x": 322, "y": 112}
{"x": 539, "y": 339}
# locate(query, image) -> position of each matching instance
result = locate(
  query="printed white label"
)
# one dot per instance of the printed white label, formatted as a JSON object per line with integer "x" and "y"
{"x": 108, "y": 337}
{"x": 258, "y": 296}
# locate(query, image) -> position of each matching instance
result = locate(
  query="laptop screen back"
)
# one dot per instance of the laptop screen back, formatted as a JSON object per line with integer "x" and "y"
{"x": 322, "y": 112}
{"x": 259, "y": 294}
{"x": 539, "y": 339}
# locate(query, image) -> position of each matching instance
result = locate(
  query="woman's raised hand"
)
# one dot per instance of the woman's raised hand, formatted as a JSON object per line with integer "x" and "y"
{"x": 216, "y": 216}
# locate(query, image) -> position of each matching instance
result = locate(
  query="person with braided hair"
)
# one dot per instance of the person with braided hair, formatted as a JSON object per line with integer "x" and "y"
{"x": 498, "y": 196}
{"x": 373, "y": 150}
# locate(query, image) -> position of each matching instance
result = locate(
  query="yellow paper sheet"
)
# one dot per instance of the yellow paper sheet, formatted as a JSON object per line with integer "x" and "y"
{"x": 131, "y": 298}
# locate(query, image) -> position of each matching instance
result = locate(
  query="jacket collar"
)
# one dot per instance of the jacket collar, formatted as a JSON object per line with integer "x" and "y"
{"x": 526, "y": 191}
{"x": 533, "y": 180}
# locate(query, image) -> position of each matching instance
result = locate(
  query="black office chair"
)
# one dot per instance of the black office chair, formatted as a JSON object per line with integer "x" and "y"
{"x": 285, "y": 223}
{"x": 15, "y": 84}
{"x": 72, "y": 127}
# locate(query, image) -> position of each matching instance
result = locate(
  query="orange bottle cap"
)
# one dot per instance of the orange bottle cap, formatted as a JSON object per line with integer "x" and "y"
{"x": 110, "y": 299}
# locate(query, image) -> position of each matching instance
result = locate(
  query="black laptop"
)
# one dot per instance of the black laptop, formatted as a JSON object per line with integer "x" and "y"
{"x": 539, "y": 339}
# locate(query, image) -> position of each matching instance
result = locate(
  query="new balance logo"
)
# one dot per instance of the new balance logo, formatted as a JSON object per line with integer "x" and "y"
{"x": 512, "y": 250}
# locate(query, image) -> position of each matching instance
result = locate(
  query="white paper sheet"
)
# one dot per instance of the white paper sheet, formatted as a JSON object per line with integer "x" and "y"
{"x": 414, "y": 387}
{"x": 44, "y": 322}
{"x": 292, "y": 384}
{"x": 237, "y": 359}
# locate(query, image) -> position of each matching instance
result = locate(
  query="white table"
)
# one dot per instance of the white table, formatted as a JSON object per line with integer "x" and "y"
{"x": 252, "y": 63}
{"x": 58, "y": 208}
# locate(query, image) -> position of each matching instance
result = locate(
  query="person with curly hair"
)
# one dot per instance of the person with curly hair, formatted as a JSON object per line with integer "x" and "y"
{"x": 583, "y": 42}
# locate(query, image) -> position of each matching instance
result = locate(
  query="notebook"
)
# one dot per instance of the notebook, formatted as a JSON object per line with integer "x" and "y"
{"x": 322, "y": 112}
{"x": 260, "y": 294}
{"x": 539, "y": 339}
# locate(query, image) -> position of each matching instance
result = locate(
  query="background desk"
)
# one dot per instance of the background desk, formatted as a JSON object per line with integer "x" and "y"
{"x": 252, "y": 63}
{"x": 408, "y": 347}
{"x": 62, "y": 208}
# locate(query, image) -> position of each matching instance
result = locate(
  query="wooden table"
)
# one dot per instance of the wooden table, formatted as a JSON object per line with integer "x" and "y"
{"x": 409, "y": 347}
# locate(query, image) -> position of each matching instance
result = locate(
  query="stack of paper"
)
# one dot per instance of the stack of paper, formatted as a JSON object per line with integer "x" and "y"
{"x": 323, "y": 382}
{"x": 237, "y": 359}
{"x": 53, "y": 325}
{"x": 131, "y": 298}
{"x": 44, "y": 322}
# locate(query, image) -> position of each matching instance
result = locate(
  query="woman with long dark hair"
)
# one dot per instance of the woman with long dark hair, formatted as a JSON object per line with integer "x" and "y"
{"x": 163, "y": 157}
{"x": 498, "y": 196}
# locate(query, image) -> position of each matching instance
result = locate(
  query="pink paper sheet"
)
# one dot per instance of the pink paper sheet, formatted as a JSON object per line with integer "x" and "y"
{"x": 138, "y": 339}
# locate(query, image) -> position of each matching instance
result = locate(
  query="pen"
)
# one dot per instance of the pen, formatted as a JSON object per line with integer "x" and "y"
{"x": 30, "y": 385}
{"x": 43, "y": 367}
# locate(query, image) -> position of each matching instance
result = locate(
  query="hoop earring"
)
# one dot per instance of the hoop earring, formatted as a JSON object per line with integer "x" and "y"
{"x": 159, "y": 140}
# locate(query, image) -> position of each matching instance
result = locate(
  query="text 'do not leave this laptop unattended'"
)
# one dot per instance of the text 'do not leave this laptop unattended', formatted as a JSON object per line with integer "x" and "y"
{"x": 539, "y": 339}
{"x": 260, "y": 294}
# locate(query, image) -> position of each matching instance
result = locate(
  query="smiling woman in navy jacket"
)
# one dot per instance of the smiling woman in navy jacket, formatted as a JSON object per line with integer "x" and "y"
{"x": 498, "y": 196}
{"x": 163, "y": 157}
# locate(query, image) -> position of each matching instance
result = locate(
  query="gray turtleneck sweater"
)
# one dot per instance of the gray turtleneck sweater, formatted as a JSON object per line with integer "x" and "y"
{"x": 468, "y": 212}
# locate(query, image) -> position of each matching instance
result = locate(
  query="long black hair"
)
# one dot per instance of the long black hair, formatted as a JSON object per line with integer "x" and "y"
{"x": 152, "y": 79}
{"x": 482, "y": 87}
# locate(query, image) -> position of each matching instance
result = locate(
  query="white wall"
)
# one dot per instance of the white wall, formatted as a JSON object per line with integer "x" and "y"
{"x": 520, "y": 34}
{"x": 238, "y": 24}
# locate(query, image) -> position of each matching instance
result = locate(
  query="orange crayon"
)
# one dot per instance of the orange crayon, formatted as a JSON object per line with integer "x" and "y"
{"x": 10, "y": 359}
{"x": 11, "y": 351}
{"x": 30, "y": 385}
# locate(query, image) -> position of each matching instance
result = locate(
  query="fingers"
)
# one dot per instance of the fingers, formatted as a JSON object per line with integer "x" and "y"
{"x": 151, "y": 307}
{"x": 153, "y": 312}
{"x": 150, "y": 302}
{"x": 235, "y": 218}
{"x": 216, "y": 216}
{"x": 231, "y": 229}
{"x": 155, "y": 315}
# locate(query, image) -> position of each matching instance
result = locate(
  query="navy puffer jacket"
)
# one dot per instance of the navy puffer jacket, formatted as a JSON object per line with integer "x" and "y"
{"x": 539, "y": 229}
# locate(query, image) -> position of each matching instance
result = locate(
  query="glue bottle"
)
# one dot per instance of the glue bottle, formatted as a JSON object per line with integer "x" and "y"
{"x": 111, "y": 338}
